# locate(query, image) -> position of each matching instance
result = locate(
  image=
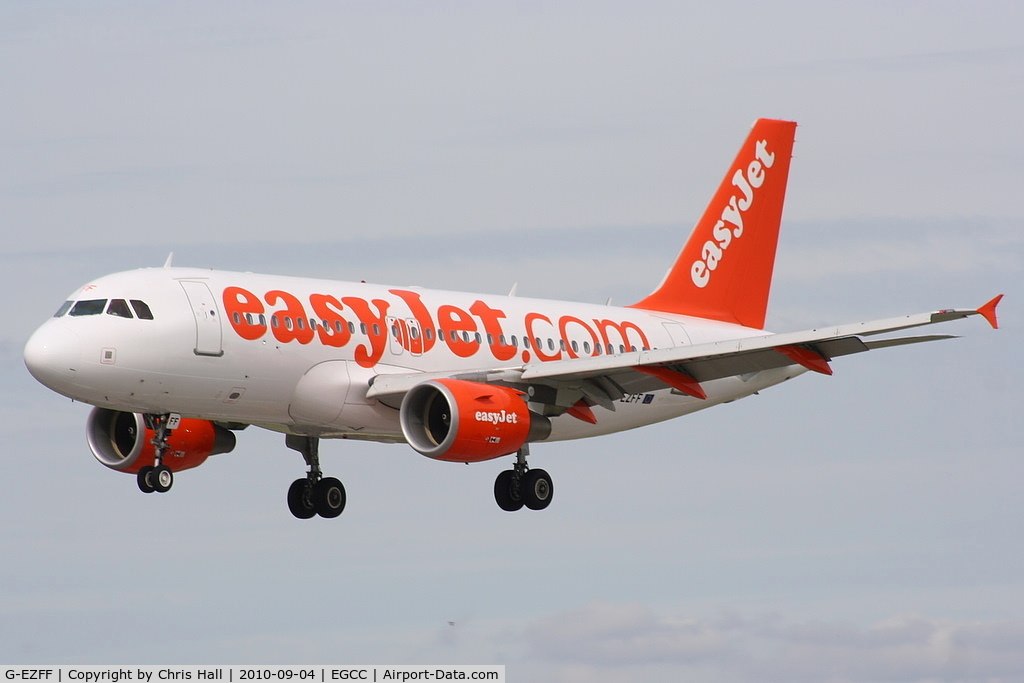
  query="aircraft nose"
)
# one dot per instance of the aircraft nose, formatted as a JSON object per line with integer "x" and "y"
{"x": 52, "y": 356}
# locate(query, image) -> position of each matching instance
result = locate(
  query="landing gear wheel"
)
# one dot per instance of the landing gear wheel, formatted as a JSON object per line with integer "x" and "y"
{"x": 537, "y": 489}
{"x": 162, "y": 479}
{"x": 300, "y": 498}
{"x": 329, "y": 497}
{"x": 158, "y": 477}
{"x": 316, "y": 494}
{"x": 145, "y": 479}
{"x": 507, "y": 491}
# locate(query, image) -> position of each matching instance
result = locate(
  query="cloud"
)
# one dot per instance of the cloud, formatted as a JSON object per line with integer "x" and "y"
{"x": 624, "y": 634}
{"x": 610, "y": 640}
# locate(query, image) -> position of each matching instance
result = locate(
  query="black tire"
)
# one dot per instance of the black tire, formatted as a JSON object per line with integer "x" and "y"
{"x": 162, "y": 479}
{"x": 537, "y": 489}
{"x": 145, "y": 479}
{"x": 300, "y": 499}
{"x": 329, "y": 497}
{"x": 506, "y": 493}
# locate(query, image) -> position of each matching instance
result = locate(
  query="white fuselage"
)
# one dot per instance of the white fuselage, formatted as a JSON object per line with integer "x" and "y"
{"x": 298, "y": 355}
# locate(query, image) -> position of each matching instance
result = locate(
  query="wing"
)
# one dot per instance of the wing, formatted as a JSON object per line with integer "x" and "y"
{"x": 601, "y": 380}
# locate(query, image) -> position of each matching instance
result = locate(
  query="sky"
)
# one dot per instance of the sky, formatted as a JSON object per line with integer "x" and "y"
{"x": 860, "y": 527}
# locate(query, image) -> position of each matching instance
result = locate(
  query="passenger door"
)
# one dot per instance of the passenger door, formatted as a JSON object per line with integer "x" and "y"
{"x": 204, "y": 308}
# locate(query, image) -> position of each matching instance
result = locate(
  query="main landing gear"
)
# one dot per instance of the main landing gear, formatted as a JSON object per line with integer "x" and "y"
{"x": 158, "y": 477}
{"x": 521, "y": 486}
{"x": 315, "y": 494}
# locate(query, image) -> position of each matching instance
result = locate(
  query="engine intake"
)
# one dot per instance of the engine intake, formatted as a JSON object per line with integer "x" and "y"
{"x": 122, "y": 442}
{"x": 461, "y": 421}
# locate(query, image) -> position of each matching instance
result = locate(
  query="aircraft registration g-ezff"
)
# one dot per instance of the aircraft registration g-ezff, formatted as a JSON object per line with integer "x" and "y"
{"x": 176, "y": 359}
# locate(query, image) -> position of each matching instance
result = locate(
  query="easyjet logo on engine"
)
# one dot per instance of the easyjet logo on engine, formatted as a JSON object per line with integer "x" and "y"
{"x": 404, "y": 322}
{"x": 502, "y": 417}
{"x": 730, "y": 223}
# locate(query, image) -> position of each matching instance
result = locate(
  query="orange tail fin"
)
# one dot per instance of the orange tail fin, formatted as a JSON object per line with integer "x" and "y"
{"x": 725, "y": 270}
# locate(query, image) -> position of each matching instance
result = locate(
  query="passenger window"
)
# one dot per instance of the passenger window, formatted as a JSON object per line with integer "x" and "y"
{"x": 64, "y": 307}
{"x": 142, "y": 311}
{"x": 88, "y": 307}
{"x": 119, "y": 307}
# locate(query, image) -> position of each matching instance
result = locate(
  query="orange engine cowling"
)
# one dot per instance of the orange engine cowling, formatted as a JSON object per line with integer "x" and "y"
{"x": 460, "y": 421}
{"x": 122, "y": 442}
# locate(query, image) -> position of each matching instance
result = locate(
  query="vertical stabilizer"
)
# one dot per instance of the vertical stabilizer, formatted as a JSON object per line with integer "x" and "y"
{"x": 724, "y": 271}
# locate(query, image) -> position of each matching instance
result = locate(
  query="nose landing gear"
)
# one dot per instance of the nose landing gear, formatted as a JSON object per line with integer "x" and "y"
{"x": 158, "y": 477}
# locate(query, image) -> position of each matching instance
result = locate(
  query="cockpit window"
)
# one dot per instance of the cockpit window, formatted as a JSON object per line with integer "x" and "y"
{"x": 63, "y": 308}
{"x": 119, "y": 307}
{"x": 88, "y": 307}
{"x": 142, "y": 309}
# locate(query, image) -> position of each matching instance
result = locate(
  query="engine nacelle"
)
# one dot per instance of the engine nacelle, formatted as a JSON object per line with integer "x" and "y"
{"x": 460, "y": 421}
{"x": 122, "y": 442}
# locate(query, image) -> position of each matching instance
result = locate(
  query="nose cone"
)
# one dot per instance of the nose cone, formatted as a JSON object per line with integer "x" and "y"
{"x": 52, "y": 355}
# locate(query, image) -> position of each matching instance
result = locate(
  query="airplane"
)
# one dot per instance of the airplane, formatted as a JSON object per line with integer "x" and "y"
{"x": 176, "y": 360}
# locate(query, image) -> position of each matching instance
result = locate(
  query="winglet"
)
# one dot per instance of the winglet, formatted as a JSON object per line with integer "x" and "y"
{"x": 170, "y": 257}
{"x": 988, "y": 311}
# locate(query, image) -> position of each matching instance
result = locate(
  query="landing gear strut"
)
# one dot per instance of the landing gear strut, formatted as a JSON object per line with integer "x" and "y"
{"x": 521, "y": 486}
{"x": 158, "y": 477}
{"x": 315, "y": 494}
